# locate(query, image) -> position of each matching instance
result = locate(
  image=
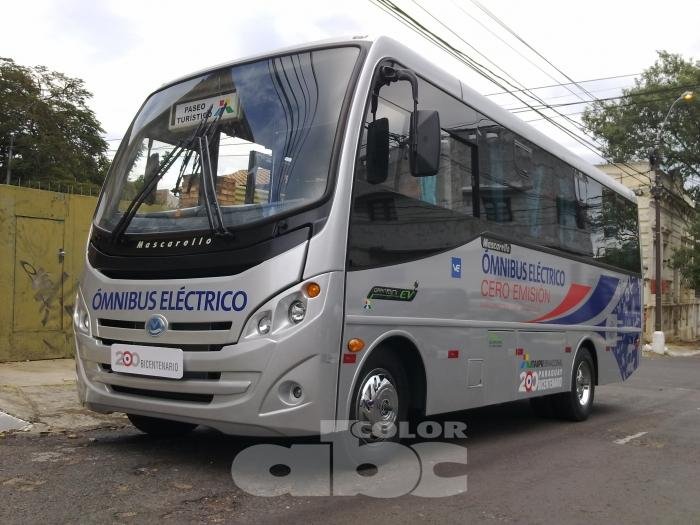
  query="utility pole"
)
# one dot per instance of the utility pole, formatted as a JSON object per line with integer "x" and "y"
{"x": 658, "y": 342}
{"x": 9, "y": 159}
{"x": 656, "y": 193}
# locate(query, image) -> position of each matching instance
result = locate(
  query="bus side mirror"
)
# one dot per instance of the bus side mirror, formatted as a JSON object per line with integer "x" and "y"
{"x": 425, "y": 159}
{"x": 377, "y": 155}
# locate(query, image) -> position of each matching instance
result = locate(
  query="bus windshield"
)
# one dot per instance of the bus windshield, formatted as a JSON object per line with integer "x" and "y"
{"x": 229, "y": 148}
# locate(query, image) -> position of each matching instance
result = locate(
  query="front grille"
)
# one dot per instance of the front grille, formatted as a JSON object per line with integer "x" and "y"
{"x": 157, "y": 394}
{"x": 212, "y": 376}
{"x": 193, "y": 327}
{"x": 184, "y": 348}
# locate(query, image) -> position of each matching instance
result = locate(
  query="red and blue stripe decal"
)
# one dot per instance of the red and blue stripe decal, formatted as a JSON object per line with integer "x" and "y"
{"x": 589, "y": 308}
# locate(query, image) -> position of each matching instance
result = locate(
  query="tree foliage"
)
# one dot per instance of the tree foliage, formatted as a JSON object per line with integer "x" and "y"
{"x": 628, "y": 126}
{"x": 628, "y": 129}
{"x": 57, "y": 137}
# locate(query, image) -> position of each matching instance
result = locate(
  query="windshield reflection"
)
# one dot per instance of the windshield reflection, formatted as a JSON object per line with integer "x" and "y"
{"x": 267, "y": 128}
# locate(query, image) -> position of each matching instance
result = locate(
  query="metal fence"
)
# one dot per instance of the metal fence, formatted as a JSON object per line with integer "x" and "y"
{"x": 75, "y": 188}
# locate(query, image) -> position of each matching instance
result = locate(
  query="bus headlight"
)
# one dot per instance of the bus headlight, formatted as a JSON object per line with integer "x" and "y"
{"x": 81, "y": 317}
{"x": 264, "y": 324}
{"x": 297, "y": 312}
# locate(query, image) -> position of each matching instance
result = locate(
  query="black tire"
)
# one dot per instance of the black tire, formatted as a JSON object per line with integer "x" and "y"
{"x": 160, "y": 427}
{"x": 542, "y": 406}
{"x": 576, "y": 405}
{"x": 385, "y": 364}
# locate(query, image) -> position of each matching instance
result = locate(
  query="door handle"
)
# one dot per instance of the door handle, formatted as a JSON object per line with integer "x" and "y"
{"x": 61, "y": 255}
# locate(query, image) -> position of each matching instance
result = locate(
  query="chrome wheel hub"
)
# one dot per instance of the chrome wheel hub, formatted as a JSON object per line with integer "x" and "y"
{"x": 584, "y": 382}
{"x": 378, "y": 402}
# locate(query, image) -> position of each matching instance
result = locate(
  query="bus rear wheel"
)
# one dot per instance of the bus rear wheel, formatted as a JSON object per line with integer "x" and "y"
{"x": 577, "y": 403}
{"x": 160, "y": 427}
{"x": 380, "y": 399}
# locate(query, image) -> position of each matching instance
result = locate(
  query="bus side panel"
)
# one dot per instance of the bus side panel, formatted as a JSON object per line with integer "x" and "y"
{"x": 619, "y": 351}
{"x": 485, "y": 314}
{"x": 542, "y": 363}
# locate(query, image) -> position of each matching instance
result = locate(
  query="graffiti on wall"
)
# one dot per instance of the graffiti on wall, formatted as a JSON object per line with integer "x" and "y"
{"x": 47, "y": 292}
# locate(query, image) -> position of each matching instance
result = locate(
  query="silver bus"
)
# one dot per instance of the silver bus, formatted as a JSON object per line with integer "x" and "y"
{"x": 345, "y": 231}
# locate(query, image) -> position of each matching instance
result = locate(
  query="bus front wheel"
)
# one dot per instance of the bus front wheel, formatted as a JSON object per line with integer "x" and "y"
{"x": 160, "y": 427}
{"x": 380, "y": 399}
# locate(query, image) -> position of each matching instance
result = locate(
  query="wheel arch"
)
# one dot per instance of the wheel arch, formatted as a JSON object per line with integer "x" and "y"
{"x": 587, "y": 343}
{"x": 405, "y": 348}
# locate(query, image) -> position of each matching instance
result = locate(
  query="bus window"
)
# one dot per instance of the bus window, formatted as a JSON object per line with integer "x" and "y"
{"x": 402, "y": 217}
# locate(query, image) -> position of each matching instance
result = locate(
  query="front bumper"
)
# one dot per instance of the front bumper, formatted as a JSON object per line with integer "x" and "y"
{"x": 242, "y": 388}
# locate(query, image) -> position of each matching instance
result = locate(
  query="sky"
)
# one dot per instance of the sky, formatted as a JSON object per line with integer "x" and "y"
{"x": 125, "y": 49}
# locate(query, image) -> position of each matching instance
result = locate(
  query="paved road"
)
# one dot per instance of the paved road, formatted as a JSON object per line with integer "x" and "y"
{"x": 521, "y": 469}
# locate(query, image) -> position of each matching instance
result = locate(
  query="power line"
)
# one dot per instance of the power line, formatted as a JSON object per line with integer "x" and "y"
{"x": 584, "y": 90}
{"x": 628, "y": 94}
{"x": 554, "y": 97}
{"x": 476, "y": 65}
{"x": 503, "y": 25}
{"x": 673, "y": 90}
{"x": 567, "y": 83}
{"x": 506, "y": 43}
{"x": 402, "y": 16}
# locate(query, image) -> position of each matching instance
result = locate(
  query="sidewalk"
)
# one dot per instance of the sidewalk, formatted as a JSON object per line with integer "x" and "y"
{"x": 675, "y": 349}
{"x": 683, "y": 349}
{"x": 40, "y": 396}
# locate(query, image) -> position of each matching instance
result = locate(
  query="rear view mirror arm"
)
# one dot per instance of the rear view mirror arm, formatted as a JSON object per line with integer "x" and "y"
{"x": 387, "y": 75}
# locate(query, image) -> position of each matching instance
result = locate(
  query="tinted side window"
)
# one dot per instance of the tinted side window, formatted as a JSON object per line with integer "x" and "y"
{"x": 490, "y": 180}
{"x": 619, "y": 243}
{"x": 518, "y": 184}
{"x": 572, "y": 206}
{"x": 403, "y": 217}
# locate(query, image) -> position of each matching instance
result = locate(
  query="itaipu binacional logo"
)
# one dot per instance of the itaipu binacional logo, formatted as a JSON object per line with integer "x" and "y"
{"x": 156, "y": 325}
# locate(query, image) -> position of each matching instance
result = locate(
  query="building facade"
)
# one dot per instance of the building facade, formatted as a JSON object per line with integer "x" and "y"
{"x": 680, "y": 306}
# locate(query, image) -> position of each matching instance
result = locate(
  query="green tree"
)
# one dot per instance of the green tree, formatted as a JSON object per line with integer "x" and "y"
{"x": 57, "y": 137}
{"x": 627, "y": 127}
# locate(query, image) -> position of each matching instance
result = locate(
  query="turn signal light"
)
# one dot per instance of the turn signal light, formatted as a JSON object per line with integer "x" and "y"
{"x": 355, "y": 345}
{"x": 313, "y": 290}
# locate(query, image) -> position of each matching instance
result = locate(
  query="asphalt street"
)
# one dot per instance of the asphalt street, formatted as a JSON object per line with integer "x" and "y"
{"x": 636, "y": 460}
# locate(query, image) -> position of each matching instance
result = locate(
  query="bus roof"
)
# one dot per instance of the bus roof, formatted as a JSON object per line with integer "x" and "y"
{"x": 383, "y": 47}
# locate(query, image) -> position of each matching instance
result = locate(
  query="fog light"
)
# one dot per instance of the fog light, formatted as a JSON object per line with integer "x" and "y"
{"x": 297, "y": 312}
{"x": 296, "y": 391}
{"x": 264, "y": 324}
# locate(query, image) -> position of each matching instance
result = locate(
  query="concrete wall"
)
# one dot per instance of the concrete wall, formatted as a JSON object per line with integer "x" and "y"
{"x": 37, "y": 284}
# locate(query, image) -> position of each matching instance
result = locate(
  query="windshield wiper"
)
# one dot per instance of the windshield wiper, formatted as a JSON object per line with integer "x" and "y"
{"x": 203, "y": 129}
{"x": 150, "y": 185}
{"x": 209, "y": 185}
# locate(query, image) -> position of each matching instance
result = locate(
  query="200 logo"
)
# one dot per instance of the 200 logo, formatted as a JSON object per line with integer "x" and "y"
{"x": 127, "y": 358}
